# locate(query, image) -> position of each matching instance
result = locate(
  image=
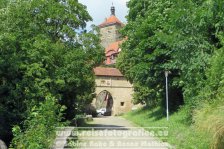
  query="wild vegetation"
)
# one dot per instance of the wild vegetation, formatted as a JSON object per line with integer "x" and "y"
{"x": 46, "y": 61}
{"x": 186, "y": 38}
{"x": 180, "y": 135}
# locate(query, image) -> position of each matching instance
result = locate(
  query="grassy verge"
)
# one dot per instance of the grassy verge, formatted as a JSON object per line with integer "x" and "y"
{"x": 181, "y": 134}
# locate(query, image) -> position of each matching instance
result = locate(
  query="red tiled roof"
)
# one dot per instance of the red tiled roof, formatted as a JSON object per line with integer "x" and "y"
{"x": 102, "y": 71}
{"x": 111, "y": 20}
{"x": 113, "y": 46}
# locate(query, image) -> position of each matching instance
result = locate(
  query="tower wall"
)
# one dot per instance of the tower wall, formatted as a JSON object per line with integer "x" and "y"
{"x": 110, "y": 34}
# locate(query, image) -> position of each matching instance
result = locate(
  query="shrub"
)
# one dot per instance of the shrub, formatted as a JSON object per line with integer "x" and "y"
{"x": 79, "y": 120}
{"x": 39, "y": 127}
{"x": 210, "y": 117}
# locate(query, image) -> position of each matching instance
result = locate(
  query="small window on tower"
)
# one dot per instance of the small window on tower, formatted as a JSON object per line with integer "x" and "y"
{"x": 112, "y": 57}
{"x": 122, "y": 104}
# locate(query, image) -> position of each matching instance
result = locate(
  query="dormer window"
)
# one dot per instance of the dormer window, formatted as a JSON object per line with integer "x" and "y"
{"x": 112, "y": 57}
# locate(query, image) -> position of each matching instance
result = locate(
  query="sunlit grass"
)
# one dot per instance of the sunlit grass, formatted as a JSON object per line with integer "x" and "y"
{"x": 210, "y": 118}
{"x": 182, "y": 135}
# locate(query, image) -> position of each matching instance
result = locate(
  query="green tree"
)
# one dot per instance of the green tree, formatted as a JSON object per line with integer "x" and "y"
{"x": 44, "y": 49}
{"x": 185, "y": 37}
{"x": 173, "y": 35}
{"x": 3, "y": 3}
{"x": 145, "y": 56}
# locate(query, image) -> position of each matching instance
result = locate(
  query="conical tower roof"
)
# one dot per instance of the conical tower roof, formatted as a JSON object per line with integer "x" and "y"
{"x": 112, "y": 19}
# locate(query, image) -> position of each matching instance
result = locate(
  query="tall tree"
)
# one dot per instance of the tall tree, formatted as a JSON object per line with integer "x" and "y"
{"x": 172, "y": 35}
{"x": 44, "y": 50}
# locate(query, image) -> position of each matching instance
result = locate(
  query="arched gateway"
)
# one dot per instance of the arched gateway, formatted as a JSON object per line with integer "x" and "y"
{"x": 104, "y": 100}
{"x": 113, "y": 91}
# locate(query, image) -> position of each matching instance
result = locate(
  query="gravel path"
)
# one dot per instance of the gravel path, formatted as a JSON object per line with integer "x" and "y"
{"x": 119, "y": 133}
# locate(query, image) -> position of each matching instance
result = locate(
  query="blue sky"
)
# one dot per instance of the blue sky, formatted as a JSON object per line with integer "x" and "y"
{"x": 100, "y": 9}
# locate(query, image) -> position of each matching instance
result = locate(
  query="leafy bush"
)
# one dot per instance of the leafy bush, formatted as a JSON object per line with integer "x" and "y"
{"x": 79, "y": 120}
{"x": 39, "y": 127}
{"x": 210, "y": 116}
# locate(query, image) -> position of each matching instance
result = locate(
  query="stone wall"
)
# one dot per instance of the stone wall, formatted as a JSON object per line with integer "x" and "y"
{"x": 121, "y": 91}
{"x": 110, "y": 34}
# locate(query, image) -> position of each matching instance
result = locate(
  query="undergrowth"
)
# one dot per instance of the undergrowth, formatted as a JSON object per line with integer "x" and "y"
{"x": 181, "y": 134}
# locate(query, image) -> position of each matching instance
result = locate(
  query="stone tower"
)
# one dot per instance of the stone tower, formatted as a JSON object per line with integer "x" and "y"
{"x": 114, "y": 92}
{"x": 109, "y": 29}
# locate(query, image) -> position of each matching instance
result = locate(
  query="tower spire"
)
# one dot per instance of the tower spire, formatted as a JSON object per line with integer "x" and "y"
{"x": 112, "y": 10}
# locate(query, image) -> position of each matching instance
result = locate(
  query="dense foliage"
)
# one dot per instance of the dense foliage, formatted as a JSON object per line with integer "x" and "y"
{"x": 40, "y": 126}
{"x": 186, "y": 38}
{"x": 210, "y": 114}
{"x": 179, "y": 36}
{"x": 44, "y": 51}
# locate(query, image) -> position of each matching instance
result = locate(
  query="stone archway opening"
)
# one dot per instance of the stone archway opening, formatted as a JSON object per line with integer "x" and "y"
{"x": 104, "y": 103}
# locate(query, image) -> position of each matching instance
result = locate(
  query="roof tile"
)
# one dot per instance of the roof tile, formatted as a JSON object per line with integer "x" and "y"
{"x": 111, "y": 20}
{"x": 102, "y": 71}
{"x": 114, "y": 46}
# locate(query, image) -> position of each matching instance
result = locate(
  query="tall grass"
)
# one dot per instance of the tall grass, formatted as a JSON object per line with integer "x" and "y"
{"x": 181, "y": 133}
{"x": 210, "y": 118}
